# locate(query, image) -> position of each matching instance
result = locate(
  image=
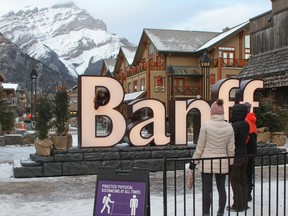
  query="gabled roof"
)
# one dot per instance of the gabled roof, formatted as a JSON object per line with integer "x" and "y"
{"x": 223, "y": 36}
{"x": 110, "y": 64}
{"x": 178, "y": 40}
{"x": 184, "y": 42}
{"x": 127, "y": 52}
{"x": 272, "y": 67}
{"x": 133, "y": 96}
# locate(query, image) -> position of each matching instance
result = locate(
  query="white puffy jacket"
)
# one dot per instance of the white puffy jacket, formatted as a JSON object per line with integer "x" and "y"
{"x": 216, "y": 139}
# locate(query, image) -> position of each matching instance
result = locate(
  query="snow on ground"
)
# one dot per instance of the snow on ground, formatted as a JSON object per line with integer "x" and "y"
{"x": 74, "y": 195}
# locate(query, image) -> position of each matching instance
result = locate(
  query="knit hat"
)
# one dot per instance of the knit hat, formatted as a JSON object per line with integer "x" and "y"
{"x": 217, "y": 107}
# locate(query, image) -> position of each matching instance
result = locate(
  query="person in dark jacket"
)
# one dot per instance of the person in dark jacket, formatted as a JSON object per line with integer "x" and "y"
{"x": 251, "y": 148}
{"x": 238, "y": 176}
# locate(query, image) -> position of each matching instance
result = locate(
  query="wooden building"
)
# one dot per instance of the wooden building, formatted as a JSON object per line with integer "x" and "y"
{"x": 269, "y": 61}
{"x": 166, "y": 62}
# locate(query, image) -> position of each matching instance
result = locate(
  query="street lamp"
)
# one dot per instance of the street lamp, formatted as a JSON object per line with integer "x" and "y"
{"x": 170, "y": 75}
{"x": 205, "y": 64}
{"x": 33, "y": 77}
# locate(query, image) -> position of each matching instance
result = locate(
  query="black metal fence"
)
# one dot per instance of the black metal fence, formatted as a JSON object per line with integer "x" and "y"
{"x": 269, "y": 193}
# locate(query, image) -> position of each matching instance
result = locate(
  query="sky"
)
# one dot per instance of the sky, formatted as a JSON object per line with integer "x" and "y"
{"x": 128, "y": 18}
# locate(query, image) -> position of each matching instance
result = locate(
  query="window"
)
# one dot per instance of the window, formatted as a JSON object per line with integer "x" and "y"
{"x": 227, "y": 53}
{"x": 179, "y": 85}
{"x": 135, "y": 86}
{"x": 247, "y": 47}
{"x": 129, "y": 87}
{"x": 142, "y": 87}
{"x": 159, "y": 84}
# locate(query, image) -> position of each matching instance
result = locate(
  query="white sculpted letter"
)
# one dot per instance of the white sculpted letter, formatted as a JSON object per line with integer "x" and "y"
{"x": 158, "y": 120}
{"x": 88, "y": 113}
{"x": 182, "y": 108}
{"x": 222, "y": 89}
{"x": 248, "y": 87}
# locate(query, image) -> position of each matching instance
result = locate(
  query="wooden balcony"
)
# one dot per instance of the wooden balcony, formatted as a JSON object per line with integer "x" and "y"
{"x": 154, "y": 66}
{"x": 186, "y": 90}
{"x": 157, "y": 66}
{"x": 229, "y": 62}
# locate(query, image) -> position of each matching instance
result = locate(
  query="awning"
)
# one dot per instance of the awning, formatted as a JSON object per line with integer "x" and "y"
{"x": 132, "y": 96}
{"x": 185, "y": 71}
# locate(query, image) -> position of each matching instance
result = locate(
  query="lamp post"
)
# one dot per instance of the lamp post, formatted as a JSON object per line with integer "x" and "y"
{"x": 170, "y": 75}
{"x": 33, "y": 77}
{"x": 205, "y": 64}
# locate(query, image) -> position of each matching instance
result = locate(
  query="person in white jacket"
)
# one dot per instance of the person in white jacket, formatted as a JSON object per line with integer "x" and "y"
{"x": 216, "y": 140}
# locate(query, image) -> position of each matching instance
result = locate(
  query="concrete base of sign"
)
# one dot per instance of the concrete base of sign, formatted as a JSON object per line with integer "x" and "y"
{"x": 86, "y": 161}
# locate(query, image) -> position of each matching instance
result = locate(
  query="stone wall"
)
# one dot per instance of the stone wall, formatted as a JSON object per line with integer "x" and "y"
{"x": 86, "y": 161}
{"x": 16, "y": 139}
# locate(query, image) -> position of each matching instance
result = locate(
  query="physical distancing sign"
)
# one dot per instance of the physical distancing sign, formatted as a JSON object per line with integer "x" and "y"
{"x": 122, "y": 192}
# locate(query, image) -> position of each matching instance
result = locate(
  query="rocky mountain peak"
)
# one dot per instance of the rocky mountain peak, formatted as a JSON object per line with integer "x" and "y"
{"x": 62, "y": 36}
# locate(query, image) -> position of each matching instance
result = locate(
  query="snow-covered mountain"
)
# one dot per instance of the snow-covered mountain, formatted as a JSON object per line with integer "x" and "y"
{"x": 61, "y": 36}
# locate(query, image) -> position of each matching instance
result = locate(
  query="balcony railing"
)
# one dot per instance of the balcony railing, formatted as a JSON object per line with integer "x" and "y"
{"x": 157, "y": 66}
{"x": 154, "y": 66}
{"x": 224, "y": 62}
{"x": 187, "y": 90}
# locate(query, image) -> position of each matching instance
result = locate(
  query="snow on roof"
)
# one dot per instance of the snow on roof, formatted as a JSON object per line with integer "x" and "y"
{"x": 132, "y": 96}
{"x": 129, "y": 52}
{"x": 221, "y": 36}
{"x": 10, "y": 86}
{"x": 178, "y": 40}
{"x": 110, "y": 64}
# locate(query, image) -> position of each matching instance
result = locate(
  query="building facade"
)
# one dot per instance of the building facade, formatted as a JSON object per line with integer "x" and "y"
{"x": 269, "y": 39}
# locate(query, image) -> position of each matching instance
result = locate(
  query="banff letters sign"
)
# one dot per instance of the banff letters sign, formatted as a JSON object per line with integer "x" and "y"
{"x": 119, "y": 128}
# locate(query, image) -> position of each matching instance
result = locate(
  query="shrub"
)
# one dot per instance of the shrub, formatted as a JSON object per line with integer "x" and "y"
{"x": 61, "y": 110}
{"x": 273, "y": 117}
{"x": 7, "y": 116}
{"x": 44, "y": 115}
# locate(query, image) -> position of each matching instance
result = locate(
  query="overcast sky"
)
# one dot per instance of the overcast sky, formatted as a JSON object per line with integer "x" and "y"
{"x": 127, "y": 18}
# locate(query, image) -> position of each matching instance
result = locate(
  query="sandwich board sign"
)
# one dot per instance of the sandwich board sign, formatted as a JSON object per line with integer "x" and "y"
{"x": 122, "y": 192}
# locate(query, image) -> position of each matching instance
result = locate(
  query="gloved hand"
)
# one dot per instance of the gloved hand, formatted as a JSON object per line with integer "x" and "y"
{"x": 190, "y": 179}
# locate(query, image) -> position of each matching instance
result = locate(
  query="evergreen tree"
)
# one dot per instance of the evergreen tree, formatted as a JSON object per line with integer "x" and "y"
{"x": 44, "y": 108}
{"x": 7, "y": 117}
{"x": 61, "y": 108}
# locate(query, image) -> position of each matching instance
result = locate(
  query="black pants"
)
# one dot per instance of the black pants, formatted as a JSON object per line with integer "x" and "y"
{"x": 250, "y": 173}
{"x": 207, "y": 184}
{"x": 238, "y": 179}
{"x": 251, "y": 150}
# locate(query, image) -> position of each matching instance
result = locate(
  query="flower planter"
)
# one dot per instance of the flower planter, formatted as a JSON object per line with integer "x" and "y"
{"x": 62, "y": 142}
{"x": 279, "y": 138}
{"x": 43, "y": 147}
